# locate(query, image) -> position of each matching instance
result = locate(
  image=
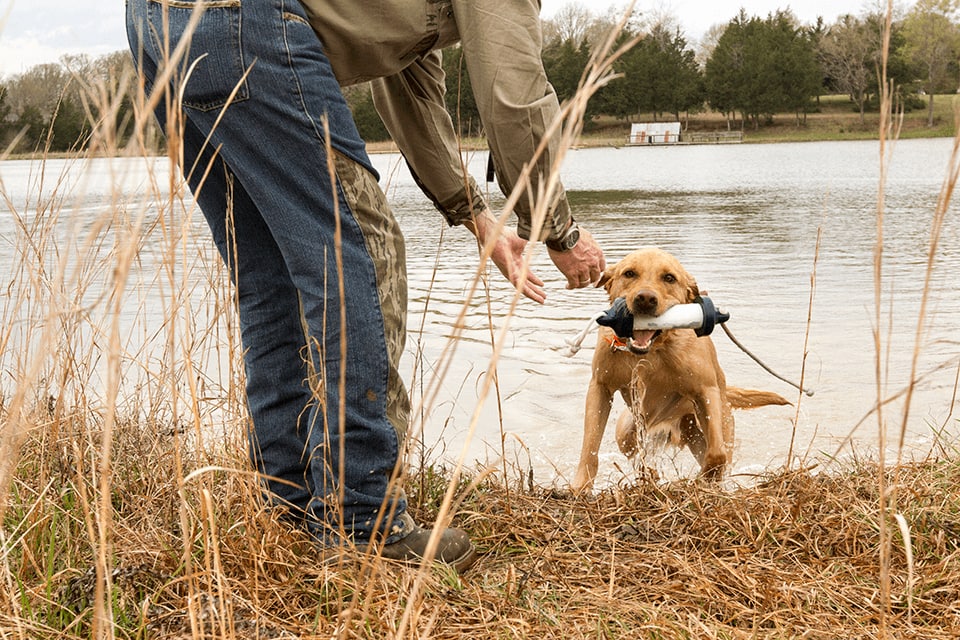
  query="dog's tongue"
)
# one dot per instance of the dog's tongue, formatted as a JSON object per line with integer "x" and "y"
{"x": 643, "y": 339}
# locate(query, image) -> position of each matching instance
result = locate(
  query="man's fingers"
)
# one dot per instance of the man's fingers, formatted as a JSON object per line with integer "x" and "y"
{"x": 536, "y": 294}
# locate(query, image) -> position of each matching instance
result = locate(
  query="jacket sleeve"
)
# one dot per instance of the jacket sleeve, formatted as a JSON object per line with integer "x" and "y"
{"x": 411, "y": 104}
{"x": 502, "y": 43}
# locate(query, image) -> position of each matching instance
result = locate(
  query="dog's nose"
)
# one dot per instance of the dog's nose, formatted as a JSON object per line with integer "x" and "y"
{"x": 645, "y": 303}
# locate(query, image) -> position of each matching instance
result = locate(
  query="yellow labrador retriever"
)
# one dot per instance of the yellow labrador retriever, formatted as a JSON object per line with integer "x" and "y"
{"x": 671, "y": 380}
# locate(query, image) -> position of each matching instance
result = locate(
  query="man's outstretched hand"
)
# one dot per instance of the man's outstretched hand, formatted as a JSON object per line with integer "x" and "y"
{"x": 508, "y": 255}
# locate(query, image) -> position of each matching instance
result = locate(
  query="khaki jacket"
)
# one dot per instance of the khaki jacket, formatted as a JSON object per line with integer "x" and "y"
{"x": 396, "y": 43}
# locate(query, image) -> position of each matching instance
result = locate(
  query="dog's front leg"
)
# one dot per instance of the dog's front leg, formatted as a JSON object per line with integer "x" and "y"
{"x": 710, "y": 413}
{"x": 596, "y": 413}
{"x": 692, "y": 437}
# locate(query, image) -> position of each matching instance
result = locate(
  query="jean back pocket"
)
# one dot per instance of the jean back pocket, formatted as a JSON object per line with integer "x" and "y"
{"x": 213, "y": 66}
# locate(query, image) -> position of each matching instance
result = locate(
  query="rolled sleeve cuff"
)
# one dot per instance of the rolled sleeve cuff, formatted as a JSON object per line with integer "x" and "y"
{"x": 553, "y": 227}
{"x": 462, "y": 207}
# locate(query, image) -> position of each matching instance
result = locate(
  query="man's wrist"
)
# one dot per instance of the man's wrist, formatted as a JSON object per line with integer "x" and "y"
{"x": 478, "y": 223}
{"x": 567, "y": 240}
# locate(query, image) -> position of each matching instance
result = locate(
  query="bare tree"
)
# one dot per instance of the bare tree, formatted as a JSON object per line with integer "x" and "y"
{"x": 41, "y": 86}
{"x": 708, "y": 43}
{"x": 847, "y": 55}
{"x": 933, "y": 43}
{"x": 577, "y": 23}
{"x": 60, "y": 104}
{"x": 571, "y": 24}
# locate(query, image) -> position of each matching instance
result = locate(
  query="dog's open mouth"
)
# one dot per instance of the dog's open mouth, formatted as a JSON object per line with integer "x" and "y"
{"x": 641, "y": 340}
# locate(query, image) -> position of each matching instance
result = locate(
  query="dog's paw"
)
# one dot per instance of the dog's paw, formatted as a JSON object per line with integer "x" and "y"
{"x": 713, "y": 466}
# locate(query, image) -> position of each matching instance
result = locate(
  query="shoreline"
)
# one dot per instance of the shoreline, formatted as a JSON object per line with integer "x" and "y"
{"x": 606, "y": 140}
{"x": 832, "y": 119}
{"x": 590, "y": 141}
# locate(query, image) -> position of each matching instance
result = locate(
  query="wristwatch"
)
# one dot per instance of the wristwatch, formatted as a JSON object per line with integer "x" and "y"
{"x": 567, "y": 240}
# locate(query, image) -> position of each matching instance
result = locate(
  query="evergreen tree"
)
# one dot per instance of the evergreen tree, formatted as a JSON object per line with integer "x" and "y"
{"x": 461, "y": 104}
{"x": 724, "y": 70}
{"x": 565, "y": 63}
{"x": 616, "y": 98}
{"x": 6, "y": 127}
{"x": 799, "y": 75}
{"x": 69, "y": 126}
{"x": 33, "y": 127}
{"x": 762, "y": 67}
{"x": 563, "y": 68}
{"x": 660, "y": 75}
{"x": 680, "y": 82}
{"x": 369, "y": 124}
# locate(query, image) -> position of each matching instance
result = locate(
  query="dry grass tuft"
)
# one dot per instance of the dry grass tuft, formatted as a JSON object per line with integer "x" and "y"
{"x": 796, "y": 555}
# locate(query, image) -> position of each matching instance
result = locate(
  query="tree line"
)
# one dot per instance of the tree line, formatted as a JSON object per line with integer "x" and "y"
{"x": 56, "y": 106}
{"x": 748, "y": 69}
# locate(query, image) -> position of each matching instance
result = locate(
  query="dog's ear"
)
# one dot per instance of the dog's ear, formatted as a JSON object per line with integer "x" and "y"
{"x": 606, "y": 279}
{"x": 693, "y": 291}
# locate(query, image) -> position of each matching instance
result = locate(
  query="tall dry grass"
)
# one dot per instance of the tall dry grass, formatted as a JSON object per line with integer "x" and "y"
{"x": 129, "y": 511}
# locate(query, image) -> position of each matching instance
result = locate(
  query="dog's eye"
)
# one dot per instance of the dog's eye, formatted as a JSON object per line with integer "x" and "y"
{"x": 669, "y": 278}
{"x": 629, "y": 273}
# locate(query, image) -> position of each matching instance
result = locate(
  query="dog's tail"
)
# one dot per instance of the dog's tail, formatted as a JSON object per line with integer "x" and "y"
{"x": 751, "y": 398}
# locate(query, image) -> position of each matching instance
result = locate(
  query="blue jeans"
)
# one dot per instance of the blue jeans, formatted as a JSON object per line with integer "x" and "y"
{"x": 322, "y": 388}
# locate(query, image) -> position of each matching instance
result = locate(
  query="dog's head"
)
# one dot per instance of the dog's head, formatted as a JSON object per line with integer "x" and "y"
{"x": 651, "y": 281}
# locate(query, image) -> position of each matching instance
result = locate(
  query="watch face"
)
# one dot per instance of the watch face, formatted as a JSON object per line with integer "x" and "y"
{"x": 567, "y": 241}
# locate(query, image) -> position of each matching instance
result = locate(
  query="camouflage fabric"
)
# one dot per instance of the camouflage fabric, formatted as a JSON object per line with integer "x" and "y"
{"x": 385, "y": 244}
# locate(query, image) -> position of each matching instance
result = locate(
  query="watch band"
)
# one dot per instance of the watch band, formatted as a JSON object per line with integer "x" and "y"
{"x": 567, "y": 240}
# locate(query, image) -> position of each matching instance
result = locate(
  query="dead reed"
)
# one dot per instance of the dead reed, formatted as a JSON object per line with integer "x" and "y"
{"x": 796, "y": 555}
{"x": 128, "y": 510}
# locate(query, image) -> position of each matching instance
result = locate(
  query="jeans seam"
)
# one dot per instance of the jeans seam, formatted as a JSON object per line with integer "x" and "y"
{"x": 188, "y": 4}
{"x": 297, "y": 82}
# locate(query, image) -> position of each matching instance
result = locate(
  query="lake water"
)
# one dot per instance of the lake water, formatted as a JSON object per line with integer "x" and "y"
{"x": 744, "y": 220}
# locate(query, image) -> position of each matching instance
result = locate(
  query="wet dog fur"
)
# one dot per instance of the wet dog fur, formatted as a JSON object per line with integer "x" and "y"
{"x": 671, "y": 380}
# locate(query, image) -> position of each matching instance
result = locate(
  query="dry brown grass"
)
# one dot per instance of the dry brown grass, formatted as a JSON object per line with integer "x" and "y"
{"x": 796, "y": 555}
{"x": 135, "y": 516}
